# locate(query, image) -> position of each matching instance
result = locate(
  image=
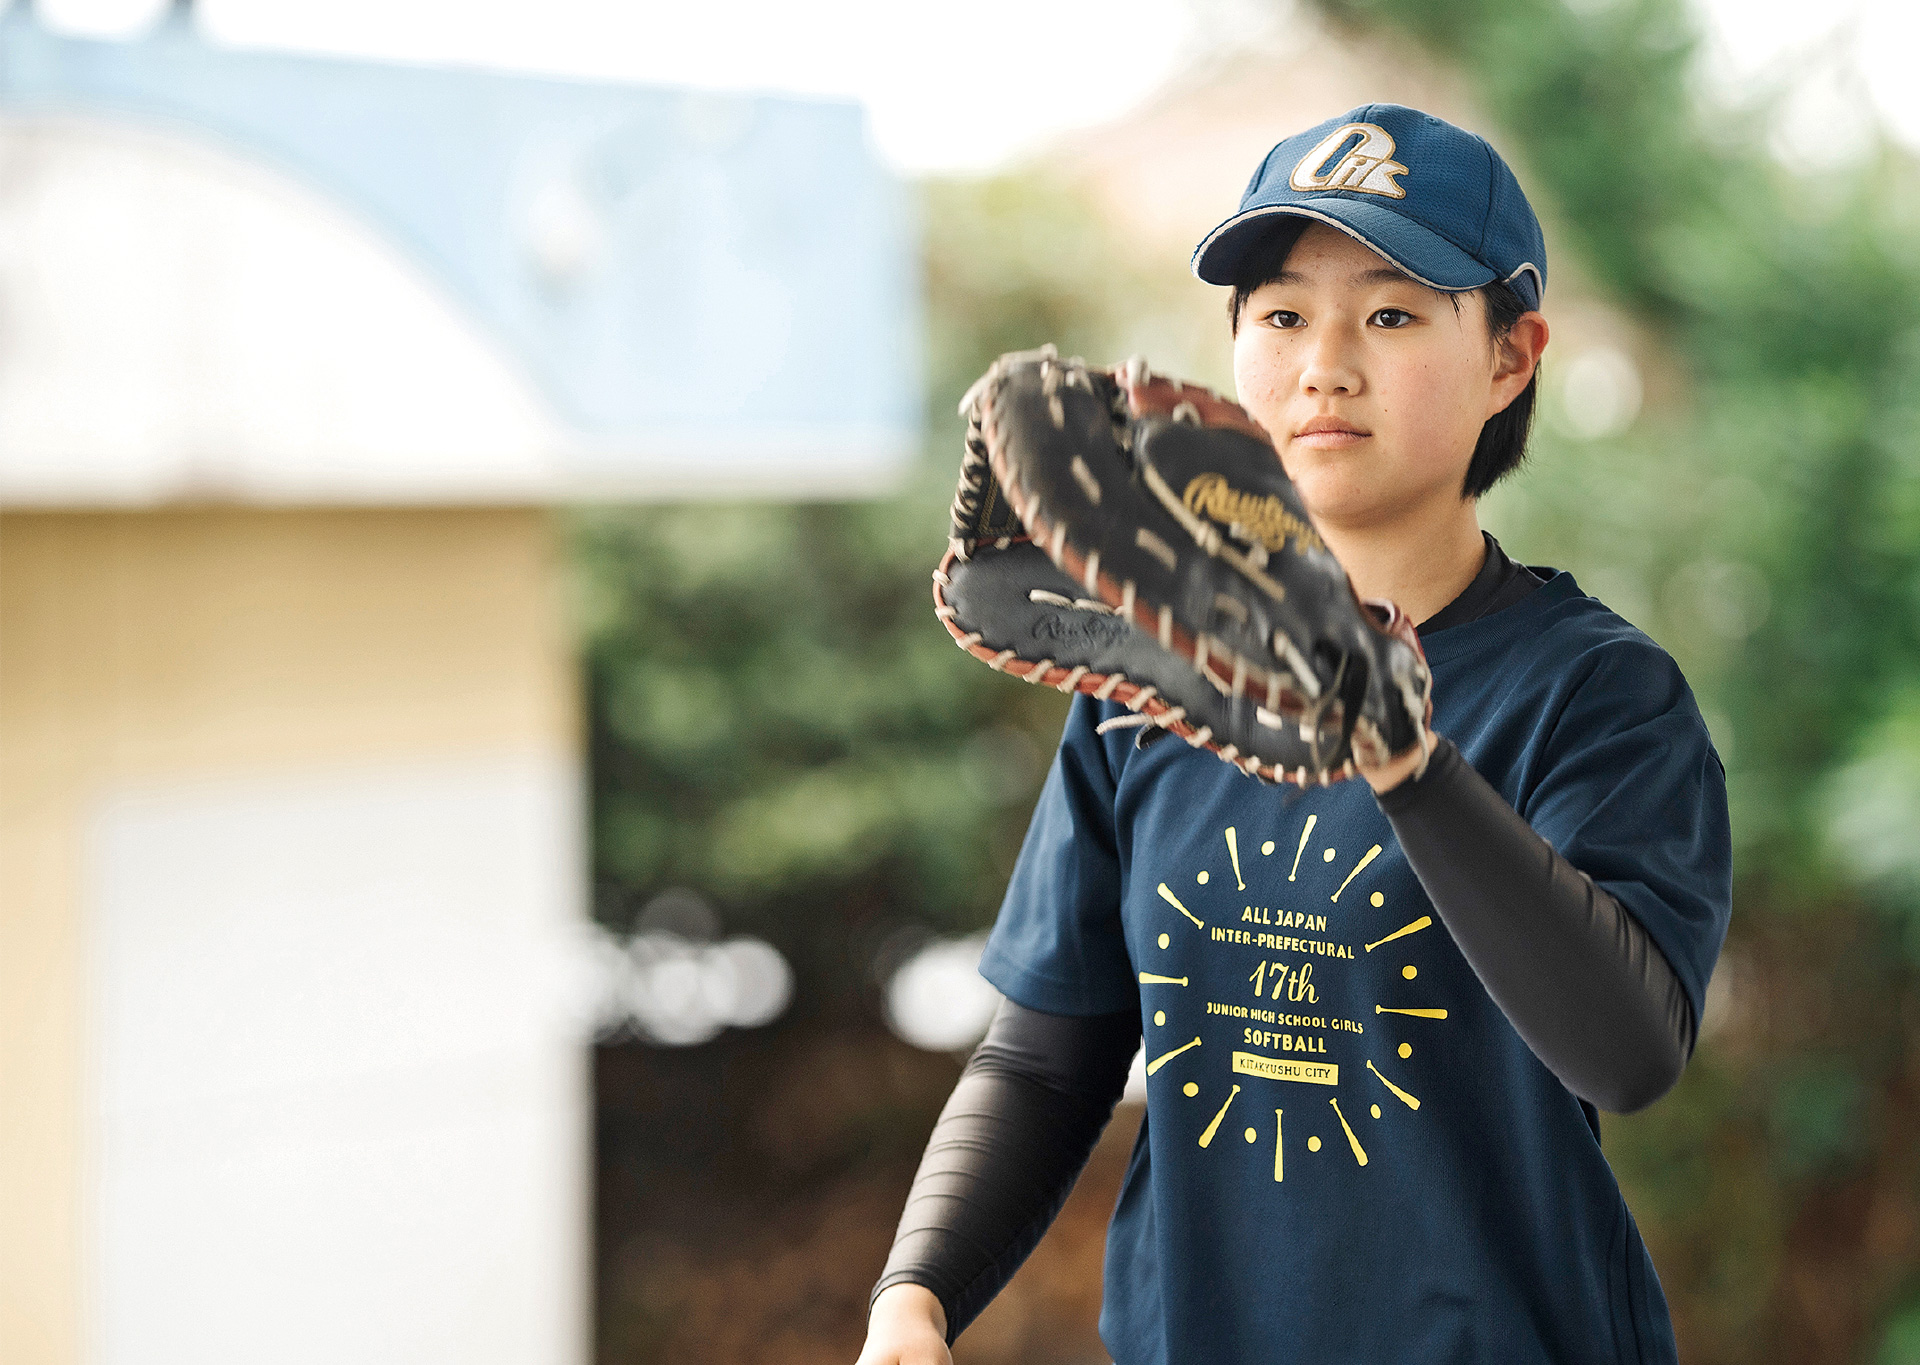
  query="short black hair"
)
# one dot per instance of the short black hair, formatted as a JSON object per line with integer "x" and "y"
{"x": 1502, "y": 446}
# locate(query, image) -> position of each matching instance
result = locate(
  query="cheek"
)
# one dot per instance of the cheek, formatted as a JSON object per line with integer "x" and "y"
{"x": 1437, "y": 408}
{"x": 1258, "y": 381}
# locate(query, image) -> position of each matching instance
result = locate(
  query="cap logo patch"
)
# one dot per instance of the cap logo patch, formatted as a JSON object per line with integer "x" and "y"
{"x": 1341, "y": 163}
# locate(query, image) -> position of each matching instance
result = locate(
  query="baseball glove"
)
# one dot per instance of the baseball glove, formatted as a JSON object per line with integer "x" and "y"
{"x": 1128, "y": 536}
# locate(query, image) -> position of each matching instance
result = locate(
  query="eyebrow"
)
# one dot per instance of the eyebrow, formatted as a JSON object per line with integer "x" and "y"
{"x": 1378, "y": 275}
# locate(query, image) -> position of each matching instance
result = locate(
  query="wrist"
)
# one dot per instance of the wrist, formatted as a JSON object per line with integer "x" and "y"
{"x": 1398, "y": 769}
{"x": 908, "y": 1305}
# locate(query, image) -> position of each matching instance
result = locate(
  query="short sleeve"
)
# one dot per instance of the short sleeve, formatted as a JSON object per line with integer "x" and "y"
{"x": 1058, "y": 945}
{"x": 1632, "y": 793}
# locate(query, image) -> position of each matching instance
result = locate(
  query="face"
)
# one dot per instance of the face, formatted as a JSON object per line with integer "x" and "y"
{"x": 1374, "y": 388}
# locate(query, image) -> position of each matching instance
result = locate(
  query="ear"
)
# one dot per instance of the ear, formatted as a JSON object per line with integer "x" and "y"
{"x": 1515, "y": 358}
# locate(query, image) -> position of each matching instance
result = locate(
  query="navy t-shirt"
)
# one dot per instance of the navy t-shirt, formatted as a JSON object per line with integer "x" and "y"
{"x": 1348, "y": 1154}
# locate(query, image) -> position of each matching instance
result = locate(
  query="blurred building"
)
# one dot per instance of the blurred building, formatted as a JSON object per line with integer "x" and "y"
{"x": 296, "y": 356}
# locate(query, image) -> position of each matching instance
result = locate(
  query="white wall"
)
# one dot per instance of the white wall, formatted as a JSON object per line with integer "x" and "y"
{"x": 336, "y": 1101}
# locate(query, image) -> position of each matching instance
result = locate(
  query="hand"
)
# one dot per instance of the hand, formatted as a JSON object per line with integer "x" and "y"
{"x": 1384, "y": 777}
{"x": 1398, "y": 769}
{"x": 907, "y": 1327}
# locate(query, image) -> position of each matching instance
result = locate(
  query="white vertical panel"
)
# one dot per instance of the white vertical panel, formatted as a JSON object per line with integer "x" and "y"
{"x": 337, "y": 1109}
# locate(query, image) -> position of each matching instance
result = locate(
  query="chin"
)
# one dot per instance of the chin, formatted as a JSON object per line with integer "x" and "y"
{"x": 1349, "y": 502}
{"x": 1344, "y": 514}
{"x": 1334, "y": 494}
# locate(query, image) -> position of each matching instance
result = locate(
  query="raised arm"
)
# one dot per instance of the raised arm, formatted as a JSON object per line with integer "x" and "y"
{"x": 1575, "y": 973}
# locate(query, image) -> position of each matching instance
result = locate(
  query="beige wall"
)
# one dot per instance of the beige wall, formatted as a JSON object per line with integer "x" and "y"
{"x": 147, "y": 647}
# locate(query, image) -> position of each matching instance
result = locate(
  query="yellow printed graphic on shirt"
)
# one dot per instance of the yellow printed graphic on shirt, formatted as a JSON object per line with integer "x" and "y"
{"x": 1285, "y": 926}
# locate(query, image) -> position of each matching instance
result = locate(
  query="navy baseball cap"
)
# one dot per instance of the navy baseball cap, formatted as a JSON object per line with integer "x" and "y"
{"x": 1435, "y": 200}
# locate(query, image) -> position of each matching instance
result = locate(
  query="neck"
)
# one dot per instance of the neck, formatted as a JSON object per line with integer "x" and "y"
{"x": 1421, "y": 560}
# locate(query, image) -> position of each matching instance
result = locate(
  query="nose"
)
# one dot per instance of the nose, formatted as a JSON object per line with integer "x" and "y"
{"x": 1330, "y": 364}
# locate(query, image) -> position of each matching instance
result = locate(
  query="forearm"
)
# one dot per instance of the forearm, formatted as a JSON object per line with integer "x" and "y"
{"x": 1575, "y": 973}
{"x": 1005, "y": 1153}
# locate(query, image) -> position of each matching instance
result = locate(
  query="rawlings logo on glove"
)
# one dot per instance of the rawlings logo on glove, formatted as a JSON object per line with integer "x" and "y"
{"x": 1266, "y": 519}
{"x": 1128, "y": 536}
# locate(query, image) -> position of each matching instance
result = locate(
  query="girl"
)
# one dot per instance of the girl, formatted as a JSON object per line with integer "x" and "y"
{"x": 1379, "y": 1018}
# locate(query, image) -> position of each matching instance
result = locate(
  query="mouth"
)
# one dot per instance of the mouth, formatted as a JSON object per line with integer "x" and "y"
{"x": 1330, "y": 433}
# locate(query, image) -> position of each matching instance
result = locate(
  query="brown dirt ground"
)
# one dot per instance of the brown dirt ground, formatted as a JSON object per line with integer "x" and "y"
{"x": 747, "y": 1192}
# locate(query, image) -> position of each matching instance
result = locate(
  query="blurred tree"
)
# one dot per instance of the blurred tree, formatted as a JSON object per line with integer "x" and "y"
{"x": 1764, "y": 526}
{"x": 778, "y": 723}
{"x": 777, "y": 720}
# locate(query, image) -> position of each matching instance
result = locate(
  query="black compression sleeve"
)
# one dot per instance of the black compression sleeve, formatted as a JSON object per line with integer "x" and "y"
{"x": 1574, "y": 971}
{"x": 1022, "y": 1120}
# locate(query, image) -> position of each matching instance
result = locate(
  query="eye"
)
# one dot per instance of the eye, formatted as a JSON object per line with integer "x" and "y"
{"x": 1282, "y": 317}
{"x": 1391, "y": 318}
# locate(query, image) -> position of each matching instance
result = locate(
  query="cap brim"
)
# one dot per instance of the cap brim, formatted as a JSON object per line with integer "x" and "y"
{"x": 1226, "y": 253}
